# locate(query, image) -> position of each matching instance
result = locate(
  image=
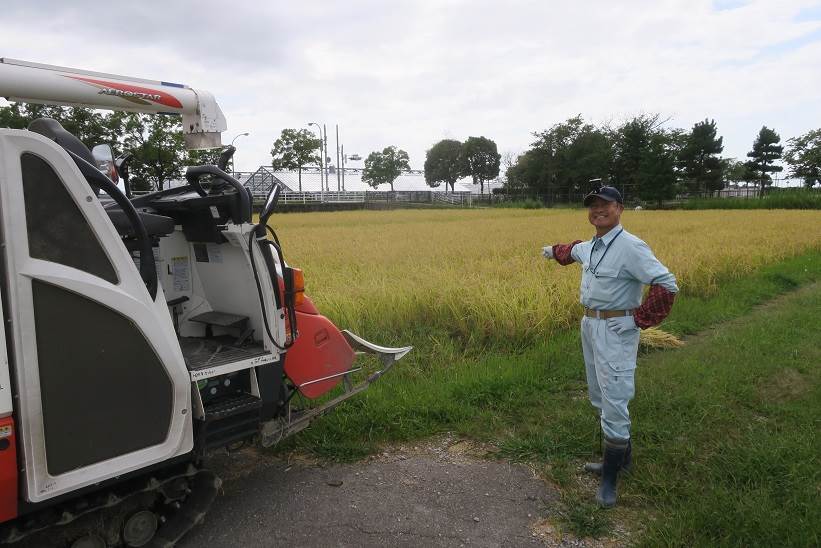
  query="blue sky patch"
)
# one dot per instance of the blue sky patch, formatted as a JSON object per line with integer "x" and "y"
{"x": 810, "y": 13}
{"x": 793, "y": 44}
{"x": 726, "y": 5}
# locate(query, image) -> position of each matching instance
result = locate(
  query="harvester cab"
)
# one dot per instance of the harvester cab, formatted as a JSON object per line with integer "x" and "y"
{"x": 142, "y": 333}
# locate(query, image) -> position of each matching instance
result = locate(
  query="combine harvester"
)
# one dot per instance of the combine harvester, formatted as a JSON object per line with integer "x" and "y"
{"x": 140, "y": 334}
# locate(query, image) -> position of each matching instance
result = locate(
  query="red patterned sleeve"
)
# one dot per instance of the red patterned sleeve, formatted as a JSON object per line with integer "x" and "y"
{"x": 655, "y": 307}
{"x": 561, "y": 253}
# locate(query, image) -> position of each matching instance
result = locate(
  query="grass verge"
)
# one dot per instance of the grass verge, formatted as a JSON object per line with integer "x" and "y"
{"x": 727, "y": 432}
{"x": 720, "y": 461}
{"x": 786, "y": 199}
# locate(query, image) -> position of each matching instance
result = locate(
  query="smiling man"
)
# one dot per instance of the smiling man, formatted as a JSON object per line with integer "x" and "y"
{"x": 616, "y": 267}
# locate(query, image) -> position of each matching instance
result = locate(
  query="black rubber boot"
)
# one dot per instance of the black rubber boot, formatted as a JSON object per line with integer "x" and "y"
{"x": 614, "y": 451}
{"x": 626, "y": 466}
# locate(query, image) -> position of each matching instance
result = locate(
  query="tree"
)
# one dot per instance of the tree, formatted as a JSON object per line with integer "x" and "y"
{"x": 588, "y": 156}
{"x": 645, "y": 158}
{"x": 90, "y": 126}
{"x": 385, "y": 167}
{"x": 737, "y": 172}
{"x": 481, "y": 160}
{"x": 701, "y": 165}
{"x": 766, "y": 150}
{"x": 631, "y": 146}
{"x": 294, "y": 149}
{"x": 804, "y": 157}
{"x": 444, "y": 163}
{"x": 156, "y": 143}
{"x": 656, "y": 173}
{"x": 565, "y": 157}
{"x": 206, "y": 156}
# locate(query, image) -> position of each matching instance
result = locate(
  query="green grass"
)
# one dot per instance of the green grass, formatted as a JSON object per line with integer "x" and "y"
{"x": 785, "y": 199}
{"x": 727, "y": 432}
{"x": 721, "y": 457}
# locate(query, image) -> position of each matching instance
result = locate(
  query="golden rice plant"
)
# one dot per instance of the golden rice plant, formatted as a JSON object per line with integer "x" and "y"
{"x": 655, "y": 338}
{"x": 477, "y": 275}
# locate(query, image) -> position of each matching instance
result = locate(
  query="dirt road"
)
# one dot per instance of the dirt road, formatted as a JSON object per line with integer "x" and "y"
{"x": 438, "y": 494}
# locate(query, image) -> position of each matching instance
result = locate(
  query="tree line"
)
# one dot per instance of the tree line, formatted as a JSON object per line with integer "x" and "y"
{"x": 641, "y": 156}
{"x": 446, "y": 162}
{"x": 651, "y": 162}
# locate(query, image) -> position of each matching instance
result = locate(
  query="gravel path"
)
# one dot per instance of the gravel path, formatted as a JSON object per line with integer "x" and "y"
{"x": 439, "y": 494}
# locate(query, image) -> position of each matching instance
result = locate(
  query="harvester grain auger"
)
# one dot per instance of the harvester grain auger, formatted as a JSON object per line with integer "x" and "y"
{"x": 142, "y": 333}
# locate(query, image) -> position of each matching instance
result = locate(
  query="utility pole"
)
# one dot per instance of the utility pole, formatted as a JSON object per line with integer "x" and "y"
{"x": 233, "y": 165}
{"x": 321, "y": 153}
{"x": 343, "y": 167}
{"x": 325, "y": 145}
{"x": 338, "y": 164}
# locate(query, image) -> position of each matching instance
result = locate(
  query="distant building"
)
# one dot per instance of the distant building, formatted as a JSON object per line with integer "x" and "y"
{"x": 260, "y": 181}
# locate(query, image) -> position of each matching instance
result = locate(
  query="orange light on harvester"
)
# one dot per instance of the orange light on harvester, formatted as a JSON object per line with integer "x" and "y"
{"x": 299, "y": 286}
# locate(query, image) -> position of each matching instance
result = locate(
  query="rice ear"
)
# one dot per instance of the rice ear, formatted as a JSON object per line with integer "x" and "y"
{"x": 654, "y": 338}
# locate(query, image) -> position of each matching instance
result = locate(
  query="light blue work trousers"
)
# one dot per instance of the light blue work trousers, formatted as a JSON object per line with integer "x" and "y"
{"x": 610, "y": 364}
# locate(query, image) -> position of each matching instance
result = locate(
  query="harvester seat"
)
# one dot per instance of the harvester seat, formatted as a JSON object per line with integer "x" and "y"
{"x": 155, "y": 225}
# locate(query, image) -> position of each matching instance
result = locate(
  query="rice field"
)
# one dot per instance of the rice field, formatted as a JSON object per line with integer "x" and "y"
{"x": 477, "y": 276}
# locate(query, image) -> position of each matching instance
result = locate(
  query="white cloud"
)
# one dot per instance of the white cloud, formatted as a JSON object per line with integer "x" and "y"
{"x": 411, "y": 73}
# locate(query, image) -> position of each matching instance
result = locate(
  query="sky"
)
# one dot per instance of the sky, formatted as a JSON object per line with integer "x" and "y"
{"x": 409, "y": 73}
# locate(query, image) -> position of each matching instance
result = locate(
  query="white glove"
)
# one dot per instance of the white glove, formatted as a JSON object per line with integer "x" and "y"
{"x": 622, "y": 324}
{"x": 547, "y": 252}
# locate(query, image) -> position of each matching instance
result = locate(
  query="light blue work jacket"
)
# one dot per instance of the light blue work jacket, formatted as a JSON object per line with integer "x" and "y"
{"x": 615, "y": 268}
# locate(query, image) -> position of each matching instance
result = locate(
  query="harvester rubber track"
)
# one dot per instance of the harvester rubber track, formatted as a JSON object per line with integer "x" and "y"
{"x": 178, "y": 500}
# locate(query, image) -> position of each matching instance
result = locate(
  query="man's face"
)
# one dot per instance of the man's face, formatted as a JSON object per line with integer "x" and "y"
{"x": 604, "y": 215}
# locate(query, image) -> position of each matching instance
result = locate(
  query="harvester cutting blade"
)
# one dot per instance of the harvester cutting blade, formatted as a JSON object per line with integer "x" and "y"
{"x": 275, "y": 430}
{"x": 386, "y": 354}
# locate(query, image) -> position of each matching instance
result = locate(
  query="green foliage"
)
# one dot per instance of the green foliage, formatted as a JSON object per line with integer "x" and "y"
{"x": 804, "y": 157}
{"x": 766, "y": 150}
{"x": 563, "y": 159}
{"x": 444, "y": 163}
{"x": 156, "y": 142}
{"x": 384, "y": 167}
{"x": 294, "y": 149}
{"x": 90, "y": 126}
{"x": 656, "y": 175}
{"x": 781, "y": 199}
{"x": 583, "y": 517}
{"x": 702, "y": 167}
{"x": 645, "y": 159}
{"x": 738, "y": 172}
{"x": 208, "y": 156}
{"x": 757, "y": 458}
{"x": 481, "y": 159}
{"x": 631, "y": 144}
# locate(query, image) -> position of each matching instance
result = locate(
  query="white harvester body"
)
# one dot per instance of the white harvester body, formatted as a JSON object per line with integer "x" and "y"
{"x": 202, "y": 118}
{"x": 141, "y": 334}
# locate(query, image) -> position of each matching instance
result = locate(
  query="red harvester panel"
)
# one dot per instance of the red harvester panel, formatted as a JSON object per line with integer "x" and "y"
{"x": 8, "y": 470}
{"x": 319, "y": 351}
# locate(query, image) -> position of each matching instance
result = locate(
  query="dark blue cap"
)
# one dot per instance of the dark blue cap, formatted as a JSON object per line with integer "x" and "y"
{"x": 605, "y": 193}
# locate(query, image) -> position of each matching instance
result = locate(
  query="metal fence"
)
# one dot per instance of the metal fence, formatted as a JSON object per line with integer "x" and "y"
{"x": 398, "y": 198}
{"x": 577, "y": 198}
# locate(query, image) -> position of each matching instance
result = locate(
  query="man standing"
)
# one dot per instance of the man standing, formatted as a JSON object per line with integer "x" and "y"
{"x": 616, "y": 267}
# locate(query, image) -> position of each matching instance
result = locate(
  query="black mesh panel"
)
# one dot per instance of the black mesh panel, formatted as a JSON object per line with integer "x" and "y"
{"x": 104, "y": 390}
{"x": 57, "y": 229}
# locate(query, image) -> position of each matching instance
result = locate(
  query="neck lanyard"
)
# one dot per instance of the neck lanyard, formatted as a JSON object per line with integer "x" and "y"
{"x": 606, "y": 249}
